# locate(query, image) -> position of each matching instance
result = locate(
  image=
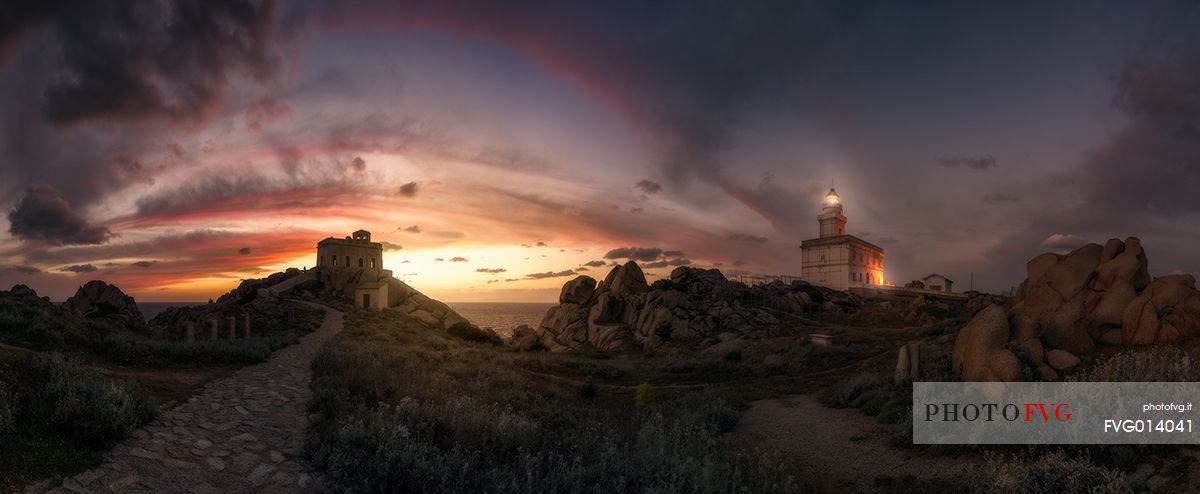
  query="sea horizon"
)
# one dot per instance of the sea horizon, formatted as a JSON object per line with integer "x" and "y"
{"x": 501, "y": 317}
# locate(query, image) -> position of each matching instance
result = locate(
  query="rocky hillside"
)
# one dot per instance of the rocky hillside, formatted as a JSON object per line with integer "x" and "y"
{"x": 254, "y": 293}
{"x": 1069, "y": 304}
{"x": 98, "y": 300}
{"x": 694, "y": 306}
{"x": 31, "y": 321}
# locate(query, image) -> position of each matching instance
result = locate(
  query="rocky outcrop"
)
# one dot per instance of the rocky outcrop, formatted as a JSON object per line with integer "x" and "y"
{"x": 1070, "y": 303}
{"x": 692, "y": 306}
{"x": 980, "y": 352}
{"x": 100, "y": 301}
{"x": 433, "y": 313}
{"x": 248, "y": 290}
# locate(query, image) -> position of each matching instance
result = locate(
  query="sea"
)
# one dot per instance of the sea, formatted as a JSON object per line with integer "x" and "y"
{"x": 502, "y": 317}
{"x": 151, "y": 309}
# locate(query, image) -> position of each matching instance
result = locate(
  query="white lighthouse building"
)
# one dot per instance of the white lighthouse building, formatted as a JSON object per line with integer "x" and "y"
{"x": 835, "y": 259}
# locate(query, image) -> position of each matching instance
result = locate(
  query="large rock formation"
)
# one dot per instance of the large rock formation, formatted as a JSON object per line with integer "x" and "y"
{"x": 1069, "y": 304}
{"x": 980, "y": 352}
{"x": 693, "y": 305}
{"x": 430, "y": 312}
{"x": 100, "y": 301}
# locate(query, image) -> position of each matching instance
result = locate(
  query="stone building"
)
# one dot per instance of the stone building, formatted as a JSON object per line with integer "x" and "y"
{"x": 939, "y": 283}
{"x": 354, "y": 266}
{"x": 356, "y": 250}
{"x": 838, "y": 260}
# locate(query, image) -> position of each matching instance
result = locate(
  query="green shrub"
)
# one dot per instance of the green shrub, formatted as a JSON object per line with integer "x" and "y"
{"x": 471, "y": 332}
{"x": 1052, "y": 473}
{"x": 86, "y": 405}
{"x": 644, "y": 397}
{"x": 894, "y": 411}
{"x": 1162, "y": 364}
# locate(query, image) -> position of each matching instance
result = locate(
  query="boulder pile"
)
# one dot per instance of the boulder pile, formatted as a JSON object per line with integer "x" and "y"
{"x": 693, "y": 305}
{"x": 1070, "y": 303}
{"x": 102, "y": 301}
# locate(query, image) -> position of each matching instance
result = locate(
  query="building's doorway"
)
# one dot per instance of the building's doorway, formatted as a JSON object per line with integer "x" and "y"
{"x": 366, "y": 301}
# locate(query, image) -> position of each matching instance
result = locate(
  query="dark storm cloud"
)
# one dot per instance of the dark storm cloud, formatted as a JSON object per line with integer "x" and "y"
{"x": 1141, "y": 179}
{"x": 408, "y": 189}
{"x": 309, "y": 183}
{"x": 595, "y": 264}
{"x": 137, "y": 59}
{"x": 635, "y": 253}
{"x": 490, "y": 270}
{"x": 1152, "y": 165}
{"x": 43, "y": 215}
{"x": 683, "y": 70}
{"x": 410, "y": 229}
{"x": 458, "y": 259}
{"x": 245, "y": 251}
{"x": 649, "y": 186}
{"x": 27, "y": 269}
{"x": 667, "y": 262}
{"x": 391, "y": 246}
{"x": 981, "y": 163}
{"x": 79, "y": 268}
{"x": 144, "y": 264}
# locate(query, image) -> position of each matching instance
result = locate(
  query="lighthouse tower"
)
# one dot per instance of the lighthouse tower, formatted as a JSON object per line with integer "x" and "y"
{"x": 836, "y": 259}
{"x": 833, "y": 223}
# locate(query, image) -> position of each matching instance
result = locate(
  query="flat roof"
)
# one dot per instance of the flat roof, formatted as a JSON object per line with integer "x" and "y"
{"x": 351, "y": 242}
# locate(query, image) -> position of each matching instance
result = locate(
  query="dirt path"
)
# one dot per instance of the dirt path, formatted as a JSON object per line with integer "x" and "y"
{"x": 243, "y": 433}
{"x": 844, "y": 446}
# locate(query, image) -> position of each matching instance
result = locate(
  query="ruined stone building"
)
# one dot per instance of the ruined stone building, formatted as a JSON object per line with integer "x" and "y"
{"x": 838, "y": 260}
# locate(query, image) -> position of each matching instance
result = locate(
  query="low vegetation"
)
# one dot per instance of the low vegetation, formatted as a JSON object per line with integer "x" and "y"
{"x": 1052, "y": 473}
{"x": 43, "y": 328}
{"x": 57, "y": 415}
{"x": 471, "y": 332}
{"x": 1160, "y": 364}
{"x": 405, "y": 409}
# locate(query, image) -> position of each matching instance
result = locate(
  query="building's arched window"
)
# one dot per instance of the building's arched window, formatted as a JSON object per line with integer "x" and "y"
{"x": 372, "y": 263}
{"x": 360, "y": 262}
{"x": 347, "y": 261}
{"x": 334, "y": 260}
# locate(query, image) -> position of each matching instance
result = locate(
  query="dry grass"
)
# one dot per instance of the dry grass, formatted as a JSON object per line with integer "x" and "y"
{"x": 405, "y": 409}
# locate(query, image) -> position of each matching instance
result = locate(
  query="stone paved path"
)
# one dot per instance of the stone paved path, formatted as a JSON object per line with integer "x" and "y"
{"x": 243, "y": 433}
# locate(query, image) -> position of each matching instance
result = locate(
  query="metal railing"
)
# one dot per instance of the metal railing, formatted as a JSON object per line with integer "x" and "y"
{"x": 764, "y": 279}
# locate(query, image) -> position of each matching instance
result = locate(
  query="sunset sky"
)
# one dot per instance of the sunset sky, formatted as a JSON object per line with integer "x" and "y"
{"x": 173, "y": 148}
